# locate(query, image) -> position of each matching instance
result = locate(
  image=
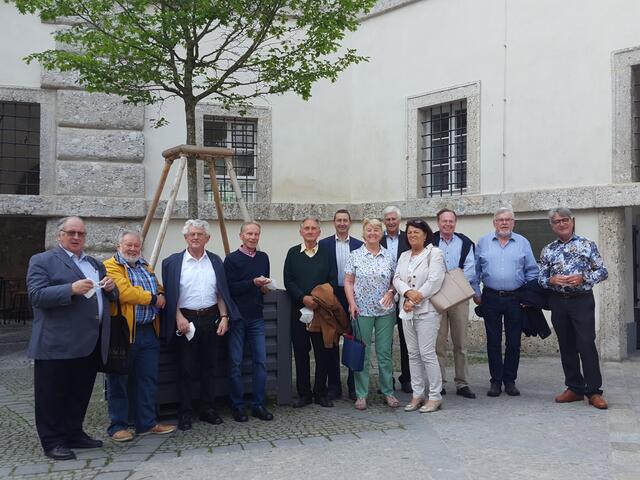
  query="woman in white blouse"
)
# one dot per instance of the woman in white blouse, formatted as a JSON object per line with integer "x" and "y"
{"x": 419, "y": 275}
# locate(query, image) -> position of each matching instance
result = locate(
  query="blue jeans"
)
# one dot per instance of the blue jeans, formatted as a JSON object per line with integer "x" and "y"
{"x": 138, "y": 389}
{"x": 495, "y": 308}
{"x": 251, "y": 332}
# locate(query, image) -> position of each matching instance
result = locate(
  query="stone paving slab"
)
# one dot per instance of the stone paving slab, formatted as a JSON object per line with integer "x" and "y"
{"x": 527, "y": 437}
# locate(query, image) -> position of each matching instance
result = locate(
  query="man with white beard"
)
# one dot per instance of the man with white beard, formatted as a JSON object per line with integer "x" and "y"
{"x": 141, "y": 298}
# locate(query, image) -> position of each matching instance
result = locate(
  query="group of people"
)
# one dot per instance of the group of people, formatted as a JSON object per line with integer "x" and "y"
{"x": 340, "y": 283}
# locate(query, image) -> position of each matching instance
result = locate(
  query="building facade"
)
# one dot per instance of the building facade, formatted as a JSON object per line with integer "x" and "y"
{"x": 464, "y": 104}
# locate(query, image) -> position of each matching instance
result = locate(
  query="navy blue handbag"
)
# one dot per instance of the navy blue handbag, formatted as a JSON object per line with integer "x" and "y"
{"x": 353, "y": 349}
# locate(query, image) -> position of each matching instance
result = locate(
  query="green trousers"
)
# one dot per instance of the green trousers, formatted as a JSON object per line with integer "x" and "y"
{"x": 384, "y": 340}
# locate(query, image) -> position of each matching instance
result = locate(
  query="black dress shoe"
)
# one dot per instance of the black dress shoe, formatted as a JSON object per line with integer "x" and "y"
{"x": 511, "y": 389}
{"x": 406, "y": 387}
{"x": 495, "y": 390}
{"x": 302, "y": 402}
{"x": 261, "y": 413}
{"x": 60, "y": 453}
{"x": 84, "y": 441}
{"x": 239, "y": 415}
{"x": 210, "y": 416}
{"x": 443, "y": 391}
{"x": 184, "y": 422}
{"x": 465, "y": 392}
{"x": 324, "y": 402}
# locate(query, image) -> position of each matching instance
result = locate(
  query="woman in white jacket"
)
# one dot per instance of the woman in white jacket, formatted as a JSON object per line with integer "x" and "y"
{"x": 419, "y": 275}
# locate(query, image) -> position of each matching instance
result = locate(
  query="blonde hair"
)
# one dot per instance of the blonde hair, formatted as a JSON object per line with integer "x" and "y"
{"x": 374, "y": 222}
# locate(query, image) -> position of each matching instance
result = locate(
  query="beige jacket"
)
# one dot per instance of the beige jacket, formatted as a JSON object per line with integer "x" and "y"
{"x": 426, "y": 278}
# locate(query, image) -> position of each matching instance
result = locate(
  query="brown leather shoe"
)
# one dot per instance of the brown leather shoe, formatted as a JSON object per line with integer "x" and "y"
{"x": 597, "y": 401}
{"x": 568, "y": 396}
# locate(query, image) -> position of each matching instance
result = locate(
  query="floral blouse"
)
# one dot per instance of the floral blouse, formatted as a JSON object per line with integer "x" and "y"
{"x": 373, "y": 275}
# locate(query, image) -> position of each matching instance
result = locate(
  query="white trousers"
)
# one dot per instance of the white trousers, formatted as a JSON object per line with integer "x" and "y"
{"x": 421, "y": 333}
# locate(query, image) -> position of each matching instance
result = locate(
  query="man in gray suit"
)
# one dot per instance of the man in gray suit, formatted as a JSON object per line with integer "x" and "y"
{"x": 70, "y": 295}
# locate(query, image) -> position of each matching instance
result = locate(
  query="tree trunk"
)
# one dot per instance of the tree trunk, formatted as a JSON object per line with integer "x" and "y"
{"x": 192, "y": 170}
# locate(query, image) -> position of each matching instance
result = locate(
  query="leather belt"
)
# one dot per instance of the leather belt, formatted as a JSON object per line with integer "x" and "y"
{"x": 202, "y": 312}
{"x": 500, "y": 293}
{"x": 579, "y": 294}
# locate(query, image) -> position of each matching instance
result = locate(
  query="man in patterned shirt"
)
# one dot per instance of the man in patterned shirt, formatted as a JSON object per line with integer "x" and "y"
{"x": 570, "y": 267}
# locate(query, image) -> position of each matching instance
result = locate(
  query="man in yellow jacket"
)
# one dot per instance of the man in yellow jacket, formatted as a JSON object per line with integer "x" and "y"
{"x": 141, "y": 298}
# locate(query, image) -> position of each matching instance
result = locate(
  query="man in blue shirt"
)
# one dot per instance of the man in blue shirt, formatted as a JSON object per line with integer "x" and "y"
{"x": 458, "y": 252}
{"x": 569, "y": 268}
{"x": 504, "y": 263}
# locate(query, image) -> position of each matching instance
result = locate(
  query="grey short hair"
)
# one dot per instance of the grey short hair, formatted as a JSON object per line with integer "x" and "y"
{"x": 124, "y": 233}
{"x": 313, "y": 218}
{"x": 502, "y": 210}
{"x": 196, "y": 223}
{"x": 391, "y": 209}
{"x": 63, "y": 220}
{"x": 251, "y": 222}
{"x": 562, "y": 212}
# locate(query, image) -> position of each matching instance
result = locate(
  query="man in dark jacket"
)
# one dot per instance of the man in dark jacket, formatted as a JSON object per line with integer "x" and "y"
{"x": 395, "y": 240}
{"x": 70, "y": 295}
{"x": 197, "y": 293}
{"x": 339, "y": 246}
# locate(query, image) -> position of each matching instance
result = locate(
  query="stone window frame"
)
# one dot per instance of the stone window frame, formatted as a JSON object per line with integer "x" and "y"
{"x": 46, "y": 100}
{"x": 264, "y": 157}
{"x": 623, "y": 164}
{"x": 415, "y": 107}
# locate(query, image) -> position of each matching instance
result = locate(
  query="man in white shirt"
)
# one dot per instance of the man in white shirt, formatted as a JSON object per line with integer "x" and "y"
{"x": 197, "y": 292}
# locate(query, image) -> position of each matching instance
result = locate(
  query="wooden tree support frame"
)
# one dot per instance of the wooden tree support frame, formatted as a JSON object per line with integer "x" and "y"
{"x": 209, "y": 155}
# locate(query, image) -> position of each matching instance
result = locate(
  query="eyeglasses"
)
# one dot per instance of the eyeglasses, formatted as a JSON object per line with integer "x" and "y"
{"x": 561, "y": 221}
{"x": 74, "y": 233}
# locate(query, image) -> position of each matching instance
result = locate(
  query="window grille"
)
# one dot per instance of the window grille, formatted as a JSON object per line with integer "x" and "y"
{"x": 635, "y": 121}
{"x": 240, "y": 134}
{"x": 19, "y": 148}
{"x": 444, "y": 149}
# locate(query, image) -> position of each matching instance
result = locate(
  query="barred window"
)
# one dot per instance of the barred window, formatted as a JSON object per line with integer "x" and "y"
{"x": 635, "y": 121}
{"x": 241, "y": 135}
{"x": 444, "y": 149}
{"x": 19, "y": 148}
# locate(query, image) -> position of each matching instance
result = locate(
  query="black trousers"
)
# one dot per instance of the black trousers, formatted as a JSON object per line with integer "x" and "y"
{"x": 335, "y": 382}
{"x": 198, "y": 359}
{"x": 573, "y": 319}
{"x": 302, "y": 341}
{"x": 405, "y": 374}
{"x": 62, "y": 393}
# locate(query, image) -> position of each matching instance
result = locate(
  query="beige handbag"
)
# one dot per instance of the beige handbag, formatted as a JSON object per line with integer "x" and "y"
{"x": 455, "y": 289}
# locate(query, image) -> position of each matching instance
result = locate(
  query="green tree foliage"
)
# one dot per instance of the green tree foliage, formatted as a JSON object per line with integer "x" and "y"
{"x": 230, "y": 50}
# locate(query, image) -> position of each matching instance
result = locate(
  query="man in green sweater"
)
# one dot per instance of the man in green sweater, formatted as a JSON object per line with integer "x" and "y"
{"x": 307, "y": 265}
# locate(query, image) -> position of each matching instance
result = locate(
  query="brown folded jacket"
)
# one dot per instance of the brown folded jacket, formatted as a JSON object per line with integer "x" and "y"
{"x": 329, "y": 318}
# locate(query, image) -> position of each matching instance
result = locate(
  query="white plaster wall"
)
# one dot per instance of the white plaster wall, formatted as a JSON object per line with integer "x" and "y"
{"x": 20, "y": 36}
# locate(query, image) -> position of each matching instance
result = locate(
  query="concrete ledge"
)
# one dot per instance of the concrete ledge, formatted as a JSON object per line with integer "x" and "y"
{"x": 62, "y": 205}
{"x": 54, "y": 79}
{"x": 102, "y": 145}
{"x": 100, "y": 179}
{"x": 97, "y": 110}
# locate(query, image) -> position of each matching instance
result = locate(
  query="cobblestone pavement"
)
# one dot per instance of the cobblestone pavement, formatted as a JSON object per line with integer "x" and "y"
{"x": 527, "y": 437}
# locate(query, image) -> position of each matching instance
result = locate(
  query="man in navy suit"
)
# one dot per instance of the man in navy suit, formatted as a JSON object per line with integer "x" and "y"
{"x": 197, "y": 292}
{"x": 70, "y": 295}
{"x": 395, "y": 240}
{"x": 339, "y": 246}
